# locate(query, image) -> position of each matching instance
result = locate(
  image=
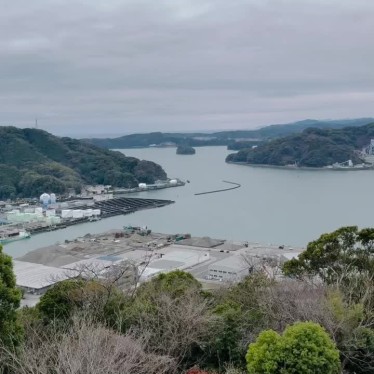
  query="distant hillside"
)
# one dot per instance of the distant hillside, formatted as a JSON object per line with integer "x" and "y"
{"x": 34, "y": 161}
{"x": 312, "y": 148}
{"x": 222, "y": 137}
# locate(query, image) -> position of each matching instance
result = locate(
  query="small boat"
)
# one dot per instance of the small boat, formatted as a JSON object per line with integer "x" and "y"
{"x": 11, "y": 237}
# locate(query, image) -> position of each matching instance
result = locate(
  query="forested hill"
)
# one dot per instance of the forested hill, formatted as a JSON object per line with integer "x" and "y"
{"x": 312, "y": 148}
{"x": 33, "y": 161}
{"x": 222, "y": 137}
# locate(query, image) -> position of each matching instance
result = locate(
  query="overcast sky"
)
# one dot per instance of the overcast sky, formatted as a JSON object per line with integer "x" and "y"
{"x": 120, "y": 66}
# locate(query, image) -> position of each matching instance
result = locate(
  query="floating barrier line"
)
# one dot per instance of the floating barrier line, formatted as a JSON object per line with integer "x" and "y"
{"x": 236, "y": 185}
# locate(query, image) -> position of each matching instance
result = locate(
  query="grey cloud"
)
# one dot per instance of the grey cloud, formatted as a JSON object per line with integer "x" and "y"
{"x": 95, "y": 66}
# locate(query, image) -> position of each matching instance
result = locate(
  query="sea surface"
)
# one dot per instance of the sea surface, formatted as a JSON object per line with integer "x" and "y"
{"x": 274, "y": 206}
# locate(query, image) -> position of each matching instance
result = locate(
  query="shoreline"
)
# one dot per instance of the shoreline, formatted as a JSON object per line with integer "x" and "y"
{"x": 109, "y": 208}
{"x": 303, "y": 168}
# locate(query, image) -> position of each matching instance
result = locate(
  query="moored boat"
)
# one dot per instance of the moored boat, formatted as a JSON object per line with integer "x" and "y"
{"x": 13, "y": 236}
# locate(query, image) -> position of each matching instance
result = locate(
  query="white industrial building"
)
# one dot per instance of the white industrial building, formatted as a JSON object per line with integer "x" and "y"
{"x": 229, "y": 269}
{"x": 177, "y": 257}
{"x": 37, "y": 278}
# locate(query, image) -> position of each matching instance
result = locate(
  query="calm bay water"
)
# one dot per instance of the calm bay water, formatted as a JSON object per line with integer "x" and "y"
{"x": 272, "y": 206}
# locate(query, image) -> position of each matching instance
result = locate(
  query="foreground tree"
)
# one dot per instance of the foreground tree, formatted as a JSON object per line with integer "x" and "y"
{"x": 90, "y": 297}
{"x": 337, "y": 257}
{"x": 84, "y": 347}
{"x": 10, "y": 297}
{"x": 344, "y": 261}
{"x": 304, "y": 348}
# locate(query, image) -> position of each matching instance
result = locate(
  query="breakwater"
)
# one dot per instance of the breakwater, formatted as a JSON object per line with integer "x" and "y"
{"x": 235, "y": 185}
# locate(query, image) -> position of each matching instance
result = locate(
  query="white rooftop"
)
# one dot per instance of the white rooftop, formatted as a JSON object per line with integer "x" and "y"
{"x": 236, "y": 262}
{"x": 175, "y": 257}
{"x": 37, "y": 276}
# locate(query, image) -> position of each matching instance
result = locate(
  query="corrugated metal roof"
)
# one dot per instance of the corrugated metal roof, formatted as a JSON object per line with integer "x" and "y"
{"x": 37, "y": 276}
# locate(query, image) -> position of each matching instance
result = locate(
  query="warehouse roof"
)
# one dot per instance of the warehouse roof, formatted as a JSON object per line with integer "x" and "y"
{"x": 37, "y": 276}
{"x": 235, "y": 262}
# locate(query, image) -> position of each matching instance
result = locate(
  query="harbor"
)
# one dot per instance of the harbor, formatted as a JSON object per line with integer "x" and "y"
{"x": 294, "y": 218}
{"x": 21, "y": 219}
{"x": 28, "y": 220}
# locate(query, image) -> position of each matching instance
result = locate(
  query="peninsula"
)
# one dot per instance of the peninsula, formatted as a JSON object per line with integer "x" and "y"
{"x": 33, "y": 161}
{"x": 314, "y": 148}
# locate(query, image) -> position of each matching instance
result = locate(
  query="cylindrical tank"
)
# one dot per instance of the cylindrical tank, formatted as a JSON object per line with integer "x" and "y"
{"x": 77, "y": 213}
{"x": 173, "y": 182}
{"x": 143, "y": 186}
{"x": 66, "y": 213}
{"x": 45, "y": 199}
{"x": 53, "y": 198}
{"x": 38, "y": 210}
{"x": 50, "y": 212}
{"x": 88, "y": 213}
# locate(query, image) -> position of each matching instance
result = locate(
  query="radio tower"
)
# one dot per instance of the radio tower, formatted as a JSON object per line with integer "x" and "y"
{"x": 36, "y": 123}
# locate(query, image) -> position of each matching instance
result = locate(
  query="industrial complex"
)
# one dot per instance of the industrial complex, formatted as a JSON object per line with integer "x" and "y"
{"x": 145, "y": 254}
{"x": 21, "y": 220}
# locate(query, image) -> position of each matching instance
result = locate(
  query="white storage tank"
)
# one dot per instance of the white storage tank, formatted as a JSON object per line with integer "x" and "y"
{"x": 143, "y": 186}
{"x": 45, "y": 199}
{"x": 77, "y": 213}
{"x": 66, "y": 213}
{"x": 96, "y": 212}
{"x": 53, "y": 220}
{"x": 50, "y": 212}
{"x": 173, "y": 182}
{"x": 88, "y": 213}
{"x": 39, "y": 210}
{"x": 53, "y": 198}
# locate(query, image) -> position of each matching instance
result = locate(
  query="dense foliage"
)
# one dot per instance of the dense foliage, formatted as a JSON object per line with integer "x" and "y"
{"x": 10, "y": 297}
{"x": 312, "y": 148}
{"x": 185, "y": 150}
{"x": 317, "y": 320}
{"x": 337, "y": 256}
{"x": 222, "y": 137}
{"x": 303, "y": 348}
{"x": 33, "y": 161}
{"x": 242, "y": 144}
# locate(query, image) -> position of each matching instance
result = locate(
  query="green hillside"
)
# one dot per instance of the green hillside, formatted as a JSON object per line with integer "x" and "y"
{"x": 312, "y": 148}
{"x": 33, "y": 161}
{"x": 228, "y": 138}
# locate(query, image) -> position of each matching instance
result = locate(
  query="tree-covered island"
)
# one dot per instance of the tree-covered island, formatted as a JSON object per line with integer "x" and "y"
{"x": 185, "y": 150}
